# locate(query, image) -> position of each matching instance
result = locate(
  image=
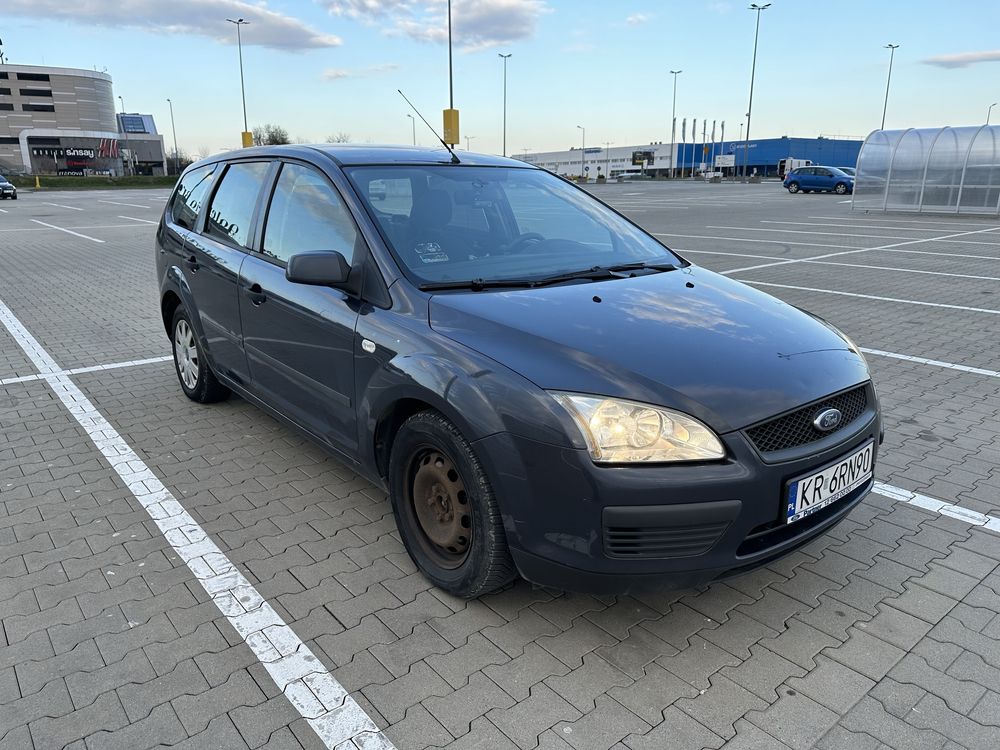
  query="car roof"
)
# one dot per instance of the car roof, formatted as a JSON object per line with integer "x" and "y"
{"x": 363, "y": 154}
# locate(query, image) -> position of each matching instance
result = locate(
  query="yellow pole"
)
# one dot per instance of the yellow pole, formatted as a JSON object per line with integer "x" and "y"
{"x": 37, "y": 183}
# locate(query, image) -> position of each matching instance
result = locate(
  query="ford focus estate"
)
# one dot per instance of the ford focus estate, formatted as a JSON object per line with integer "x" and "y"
{"x": 541, "y": 387}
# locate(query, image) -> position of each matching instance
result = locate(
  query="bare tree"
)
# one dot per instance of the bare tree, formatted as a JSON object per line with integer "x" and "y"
{"x": 340, "y": 137}
{"x": 270, "y": 135}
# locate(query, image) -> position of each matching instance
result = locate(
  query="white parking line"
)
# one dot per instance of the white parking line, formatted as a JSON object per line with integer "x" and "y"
{"x": 68, "y": 231}
{"x": 903, "y": 270}
{"x": 118, "y": 203}
{"x": 328, "y": 708}
{"x": 809, "y": 244}
{"x": 861, "y": 250}
{"x": 144, "y": 221}
{"x": 3, "y": 210}
{"x": 871, "y": 296}
{"x": 938, "y": 506}
{"x": 903, "y": 221}
{"x": 934, "y": 362}
{"x": 868, "y": 236}
{"x": 92, "y": 368}
{"x": 849, "y": 226}
{"x": 60, "y": 205}
{"x": 746, "y": 239}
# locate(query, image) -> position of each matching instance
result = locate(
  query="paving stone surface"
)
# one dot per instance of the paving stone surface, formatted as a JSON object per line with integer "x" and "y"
{"x": 883, "y": 633}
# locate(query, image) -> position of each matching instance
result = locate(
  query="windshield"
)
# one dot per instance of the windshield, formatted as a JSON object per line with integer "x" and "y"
{"x": 455, "y": 223}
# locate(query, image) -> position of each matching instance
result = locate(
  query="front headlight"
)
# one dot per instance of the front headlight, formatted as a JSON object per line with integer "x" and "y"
{"x": 619, "y": 431}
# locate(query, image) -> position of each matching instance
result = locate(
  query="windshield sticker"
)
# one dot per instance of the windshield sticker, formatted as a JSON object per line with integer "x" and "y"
{"x": 431, "y": 252}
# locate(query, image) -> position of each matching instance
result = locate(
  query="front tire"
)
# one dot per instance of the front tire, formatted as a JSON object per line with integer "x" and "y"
{"x": 793, "y": 187}
{"x": 445, "y": 509}
{"x": 195, "y": 376}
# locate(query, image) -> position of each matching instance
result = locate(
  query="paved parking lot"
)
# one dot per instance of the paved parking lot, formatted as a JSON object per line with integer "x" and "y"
{"x": 202, "y": 577}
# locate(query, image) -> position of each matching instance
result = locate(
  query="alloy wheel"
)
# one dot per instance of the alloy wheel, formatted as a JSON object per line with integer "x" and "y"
{"x": 186, "y": 354}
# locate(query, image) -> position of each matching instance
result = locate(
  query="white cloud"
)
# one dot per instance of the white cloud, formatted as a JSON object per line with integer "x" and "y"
{"x": 475, "y": 23}
{"x": 963, "y": 59}
{"x": 267, "y": 28}
{"x": 637, "y": 19}
{"x": 338, "y": 74}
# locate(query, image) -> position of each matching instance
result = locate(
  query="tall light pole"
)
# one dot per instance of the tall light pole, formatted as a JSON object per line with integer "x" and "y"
{"x": 607, "y": 159}
{"x": 583, "y": 153}
{"x": 177, "y": 156}
{"x": 753, "y": 72}
{"x": 892, "y": 52}
{"x": 505, "y": 58}
{"x": 413, "y": 123}
{"x": 673, "y": 127}
{"x": 989, "y": 111}
{"x": 467, "y": 139}
{"x": 239, "y": 43}
{"x": 125, "y": 131}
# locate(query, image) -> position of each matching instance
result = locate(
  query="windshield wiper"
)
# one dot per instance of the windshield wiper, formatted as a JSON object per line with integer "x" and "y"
{"x": 597, "y": 273}
{"x": 477, "y": 285}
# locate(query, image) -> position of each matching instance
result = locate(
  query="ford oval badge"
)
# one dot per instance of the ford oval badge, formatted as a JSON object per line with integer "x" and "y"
{"x": 827, "y": 420}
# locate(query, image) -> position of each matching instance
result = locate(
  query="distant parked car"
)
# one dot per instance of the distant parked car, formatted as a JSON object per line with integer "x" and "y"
{"x": 849, "y": 170}
{"x": 808, "y": 179}
{"x": 7, "y": 190}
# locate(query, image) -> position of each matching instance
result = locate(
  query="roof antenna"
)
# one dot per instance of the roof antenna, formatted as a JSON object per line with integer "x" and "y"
{"x": 454, "y": 157}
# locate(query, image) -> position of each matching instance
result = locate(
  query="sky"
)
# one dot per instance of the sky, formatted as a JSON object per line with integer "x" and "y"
{"x": 323, "y": 67}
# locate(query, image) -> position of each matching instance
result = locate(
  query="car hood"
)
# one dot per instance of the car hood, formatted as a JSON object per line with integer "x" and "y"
{"x": 688, "y": 339}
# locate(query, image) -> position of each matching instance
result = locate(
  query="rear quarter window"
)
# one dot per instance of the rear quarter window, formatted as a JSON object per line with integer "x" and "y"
{"x": 189, "y": 197}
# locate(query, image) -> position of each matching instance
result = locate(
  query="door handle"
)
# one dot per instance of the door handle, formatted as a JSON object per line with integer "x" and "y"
{"x": 192, "y": 262}
{"x": 256, "y": 294}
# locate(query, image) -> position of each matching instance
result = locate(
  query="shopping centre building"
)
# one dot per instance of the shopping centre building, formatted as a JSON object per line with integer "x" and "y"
{"x": 63, "y": 121}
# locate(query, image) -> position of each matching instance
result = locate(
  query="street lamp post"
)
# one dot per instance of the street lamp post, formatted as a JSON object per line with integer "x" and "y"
{"x": 607, "y": 159}
{"x": 753, "y": 72}
{"x": 989, "y": 111}
{"x": 239, "y": 43}
{"x": 892, "y": 51}
{"x": 177, "y": 156}
{"x": 467, "y": 139}
{"x": 505, "y": 58}
{"x": 583, "y": 153}
{"x": 125, "y": 131}
{"x": 673, "y": 127}
{"x": 413, "y": 123}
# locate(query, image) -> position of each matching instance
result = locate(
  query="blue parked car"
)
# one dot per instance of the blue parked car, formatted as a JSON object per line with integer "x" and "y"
{"x": 808, "y": 179}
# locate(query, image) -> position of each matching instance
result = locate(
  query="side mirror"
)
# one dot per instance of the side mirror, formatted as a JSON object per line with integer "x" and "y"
{"x": 318, "y": 269}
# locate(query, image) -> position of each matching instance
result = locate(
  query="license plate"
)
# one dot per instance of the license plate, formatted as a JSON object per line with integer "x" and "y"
{"x": 808, "y": 494}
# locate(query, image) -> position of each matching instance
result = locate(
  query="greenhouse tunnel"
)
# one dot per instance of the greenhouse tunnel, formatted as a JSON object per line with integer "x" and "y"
{"x": 933, "y": 170}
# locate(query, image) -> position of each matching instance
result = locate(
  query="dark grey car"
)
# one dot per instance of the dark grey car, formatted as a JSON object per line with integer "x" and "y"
{"x": 541, "y": 386}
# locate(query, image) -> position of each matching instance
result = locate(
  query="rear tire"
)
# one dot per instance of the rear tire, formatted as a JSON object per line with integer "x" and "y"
{"x": 793, "y": 187}
{"x": 445, "y": 508}
{"x": 840, "y": 188}
{"x": 195, "y": 376}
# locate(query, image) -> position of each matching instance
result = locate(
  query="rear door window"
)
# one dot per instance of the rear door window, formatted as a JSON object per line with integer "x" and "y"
{"x": 233, "y": 205}
{"x": 186, "y": 204}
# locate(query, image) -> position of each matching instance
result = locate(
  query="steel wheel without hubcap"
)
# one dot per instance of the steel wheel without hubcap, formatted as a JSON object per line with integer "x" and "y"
{"x": 186, "y": 353}
{"x": 438, "y": 500}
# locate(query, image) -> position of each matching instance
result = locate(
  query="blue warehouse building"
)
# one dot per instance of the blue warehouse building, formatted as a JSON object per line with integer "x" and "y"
{"x": 763, "y": 154}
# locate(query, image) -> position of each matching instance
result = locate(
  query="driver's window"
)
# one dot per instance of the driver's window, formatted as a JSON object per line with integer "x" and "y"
{"x": 538, "y": 211}
{"x": 307, "y": 215}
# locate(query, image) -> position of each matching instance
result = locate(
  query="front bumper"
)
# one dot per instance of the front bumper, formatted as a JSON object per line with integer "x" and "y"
{"x": 709, "y": 521}
{"x": 8, "y": 192}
